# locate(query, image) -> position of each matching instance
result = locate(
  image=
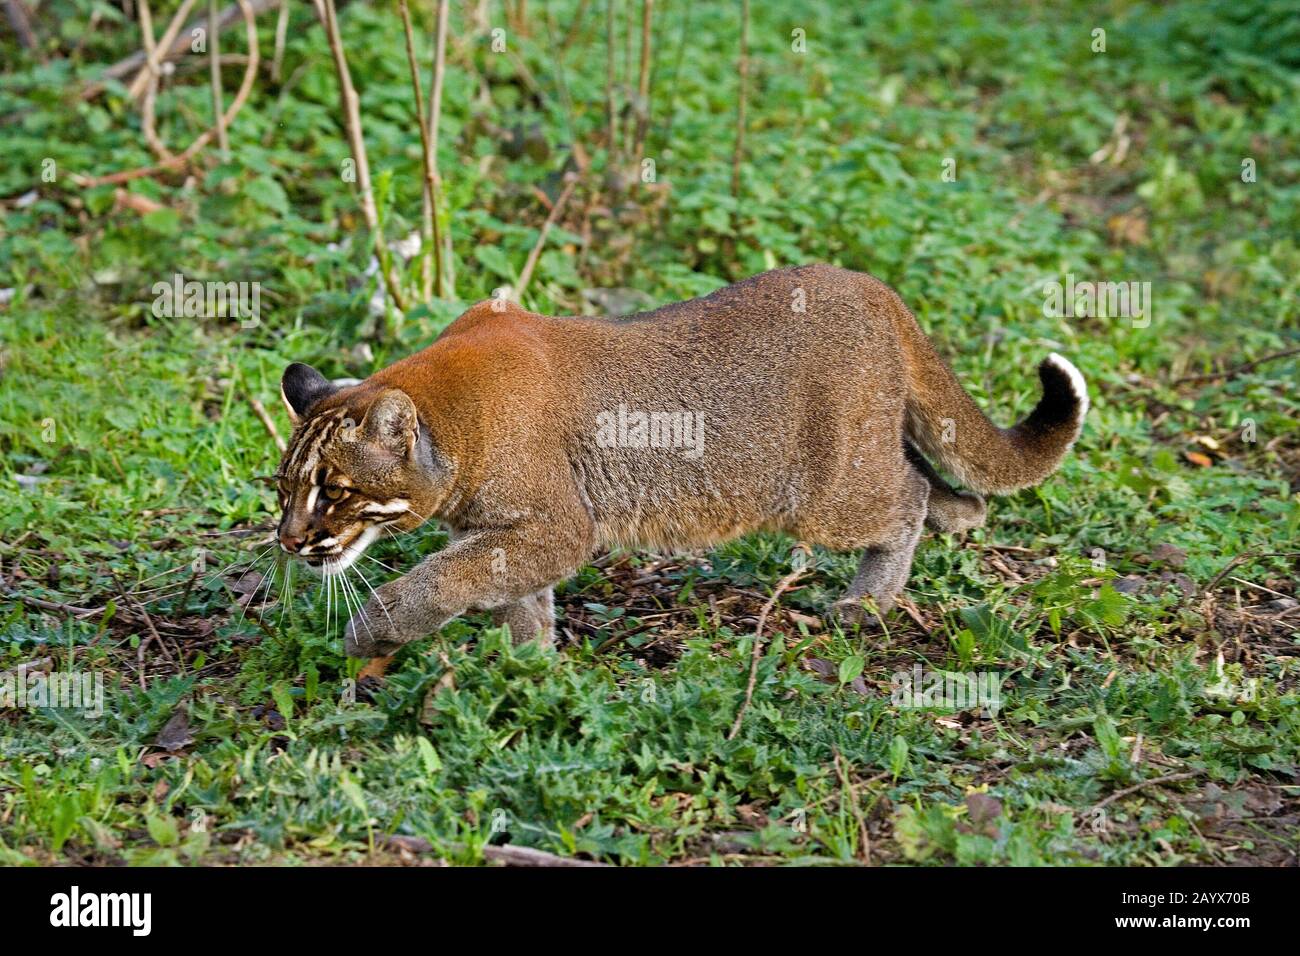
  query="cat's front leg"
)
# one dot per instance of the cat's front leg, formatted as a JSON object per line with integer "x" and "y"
{"x": 395, "y": 616}
{"x": 481, "y": 570}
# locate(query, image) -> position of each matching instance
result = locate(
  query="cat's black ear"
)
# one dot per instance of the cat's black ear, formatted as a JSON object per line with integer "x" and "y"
{"x": 301, "y": 388}
{"x": 392, "y": 422}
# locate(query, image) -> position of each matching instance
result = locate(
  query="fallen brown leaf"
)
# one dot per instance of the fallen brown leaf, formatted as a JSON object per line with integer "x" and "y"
{"x": 175, "y": 734}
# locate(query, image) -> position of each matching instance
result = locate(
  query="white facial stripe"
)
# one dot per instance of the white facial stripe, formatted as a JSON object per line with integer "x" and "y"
{"x": 311, "y": 498}
{"x": 351, "y": 553}
{"x": 396, "y": 506}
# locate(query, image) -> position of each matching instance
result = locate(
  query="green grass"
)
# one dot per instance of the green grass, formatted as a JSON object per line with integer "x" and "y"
{"x": 1126, "y": 652}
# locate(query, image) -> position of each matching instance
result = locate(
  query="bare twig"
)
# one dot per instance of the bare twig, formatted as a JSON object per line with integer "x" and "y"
{"x": 21, "y": 22}
{"x": 527, "y": 856}
{"x": 1154, "y": 781}
{"x": 52, "y": 605}
{"x": 351, "y": 105}
{"x": 153, "y": 634}
{"x": 756, "y": 654}
{"x": 910, "y": 610}
{"x": 1237, "y": 369}
{"x": 611, "y": 119}
{"x": 151, "y": 74}
{"x": 1242, "y": 559}
{"x": 575, "y": 27}
{"x": 281, "y": 36}
{"x": 153, "y": 59}
{"x": 179, "y": 46}
{"x": 426, "y": 260}
{"x": 864, "y": 838}
{"x": 441, "y": 266}
{"x": 643, "y": 82}
{"x": 143, "y": 613}
{"x": 431, "y": 267}
{"x": 526, "y": 275}
{"x": 507, "y": 855}
{"x": 43, "y": 605}
{"x": 147, "y": 43}
{"x": 180, "y": 159}
{"x": 267, "y": 422}
{"x": 218, "y": 100}
{"x": 148, "y": 123}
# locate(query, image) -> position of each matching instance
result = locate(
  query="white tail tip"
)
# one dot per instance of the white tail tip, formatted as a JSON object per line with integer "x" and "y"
{"x": 1077, "y": 384}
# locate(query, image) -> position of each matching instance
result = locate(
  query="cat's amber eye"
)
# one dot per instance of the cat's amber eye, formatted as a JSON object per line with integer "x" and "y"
{"x": 334, "y": 492}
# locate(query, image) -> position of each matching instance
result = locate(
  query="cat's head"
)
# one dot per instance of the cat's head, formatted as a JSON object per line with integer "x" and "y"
{"x": 357, "y": 463}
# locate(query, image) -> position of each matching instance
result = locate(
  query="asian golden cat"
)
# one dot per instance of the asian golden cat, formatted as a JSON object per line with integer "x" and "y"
{"x": 803, "y": 400}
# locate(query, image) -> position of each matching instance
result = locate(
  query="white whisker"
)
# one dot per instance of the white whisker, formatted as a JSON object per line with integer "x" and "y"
{"x": 377, "y": 598}
{"x": 276, "y": 568}
{"x": 336, "y": 573}
{"x": 356, "y": 598}
{"x": 243, "y": 608}
{"x": 329, "y": 604}
{"x": 381, "y": 564}
{"x": 334, "y": 606}
{"x": 138, "y": 590}
{"x": 252, "y": 562}
{"x": 286, "y": 593}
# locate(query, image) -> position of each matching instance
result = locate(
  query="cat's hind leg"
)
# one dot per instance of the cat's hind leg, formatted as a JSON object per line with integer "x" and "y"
{"x": 882, "y": 573}
{"x": 884, "y": 517}
{"x": 529, "y": 618}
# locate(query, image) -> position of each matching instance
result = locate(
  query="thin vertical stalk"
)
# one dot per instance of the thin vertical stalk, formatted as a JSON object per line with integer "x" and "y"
{"x": 351, "y": 104}
{"x": 435, "y": 121}
{"x": 738, "y": 153}
{"x": 430, "y": 230}
{"x": 218, "y": 98}
{"x": 281, "y": 35}
{"x": 666, "y": 136}
{"x": 611, "y": 120}
{"x": 643, "y": 82}
{"x": 628, "y": 31}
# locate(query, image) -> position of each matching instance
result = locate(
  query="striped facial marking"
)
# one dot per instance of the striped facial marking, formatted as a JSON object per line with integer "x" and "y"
{"x": 328, "y": 518}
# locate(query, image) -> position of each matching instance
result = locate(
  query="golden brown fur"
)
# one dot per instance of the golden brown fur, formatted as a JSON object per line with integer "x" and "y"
{"x": 799, "y": 400}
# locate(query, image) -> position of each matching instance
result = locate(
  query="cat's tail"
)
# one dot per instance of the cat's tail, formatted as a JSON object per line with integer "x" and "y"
{"x": 948, "y": 427}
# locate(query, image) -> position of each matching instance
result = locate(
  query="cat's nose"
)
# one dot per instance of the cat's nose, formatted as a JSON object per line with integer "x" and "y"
{"x": 290, "y": 542}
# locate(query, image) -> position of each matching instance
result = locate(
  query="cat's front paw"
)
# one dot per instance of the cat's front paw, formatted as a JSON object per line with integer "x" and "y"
{"x": 367, "y": 638}
{"x": 376, "y": 630}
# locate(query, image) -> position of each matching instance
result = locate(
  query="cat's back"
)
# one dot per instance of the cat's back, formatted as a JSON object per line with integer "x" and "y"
{"x": 777, "y": 304}
{"x": 779, "y": 300}
{"x": 781, "y": 329}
